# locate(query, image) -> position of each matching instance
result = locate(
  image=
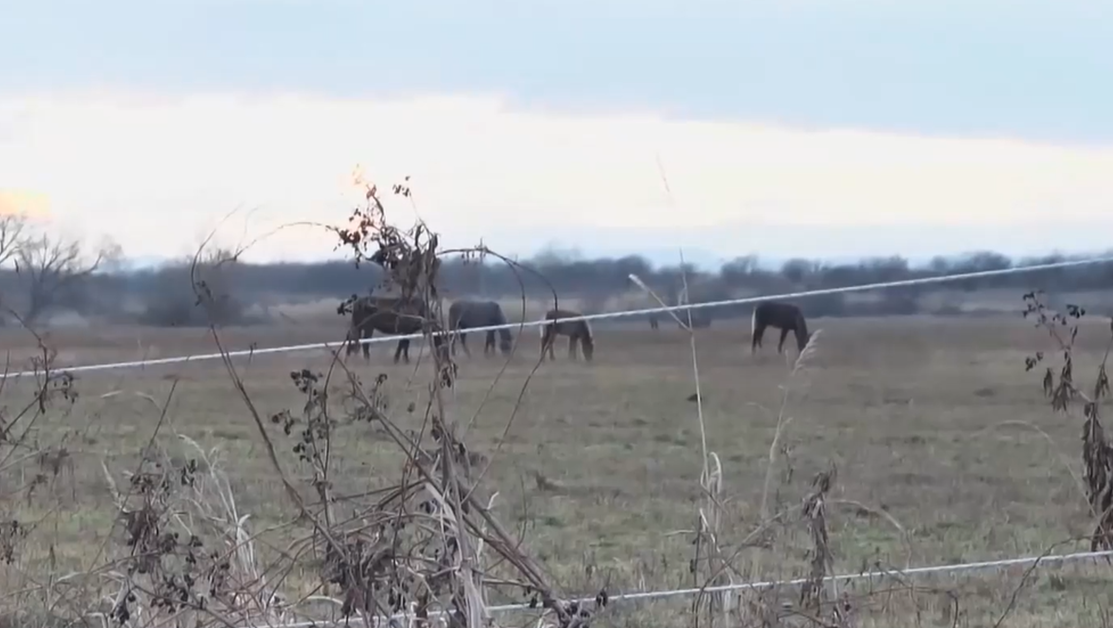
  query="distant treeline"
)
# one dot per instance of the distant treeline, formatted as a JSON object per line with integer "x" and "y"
{"x": 163, "y": 296}
{"x": 606, "y": 276}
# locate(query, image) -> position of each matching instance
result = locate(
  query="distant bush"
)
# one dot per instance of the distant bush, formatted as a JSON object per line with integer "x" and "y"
{"x": 177, "y": 302}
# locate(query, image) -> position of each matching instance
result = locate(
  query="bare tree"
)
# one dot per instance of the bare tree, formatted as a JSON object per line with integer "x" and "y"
{"x": 13, "y": 234}
{"x": 53, "y": 267}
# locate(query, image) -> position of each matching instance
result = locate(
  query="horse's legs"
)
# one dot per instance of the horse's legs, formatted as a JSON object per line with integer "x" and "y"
{"x": 403, "y": 350}
{"x": 367, "y": 345}
{"x": 355, "y": 334}
{"x": 547, "y": 342}
{"x": 440, "y": 349}
{"x": 464, "y": 344}
{"x": 350, "y": 346}
{"x": 490, "y": 345}
{"x": 781, "y": 344}
{"x": 755, "y": 342}
{"x": 572, "y": 346}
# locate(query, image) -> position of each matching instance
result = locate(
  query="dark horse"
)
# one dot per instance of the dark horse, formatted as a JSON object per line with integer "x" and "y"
{"x": 575, "y": 330}
{"x": 465, "y": 314}
{"x": 389, "y": 315}
{"x": 784, "y": 316}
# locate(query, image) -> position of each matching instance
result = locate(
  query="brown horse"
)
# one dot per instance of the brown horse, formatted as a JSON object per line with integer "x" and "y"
{"x": 784, "y": 316}
{"x": 577, "y": 331}
{"x": 390, "y": 315}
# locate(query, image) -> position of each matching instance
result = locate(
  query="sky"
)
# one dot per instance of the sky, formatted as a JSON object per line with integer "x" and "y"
{"x": 795, "y": 128}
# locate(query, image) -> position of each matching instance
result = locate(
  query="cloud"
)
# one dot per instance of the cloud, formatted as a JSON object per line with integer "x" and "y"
{"x": 157, "y": 172}
{"x": 1015, "y": 67}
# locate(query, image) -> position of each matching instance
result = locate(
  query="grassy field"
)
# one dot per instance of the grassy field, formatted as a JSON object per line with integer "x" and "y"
{"x": 930, "y": 423}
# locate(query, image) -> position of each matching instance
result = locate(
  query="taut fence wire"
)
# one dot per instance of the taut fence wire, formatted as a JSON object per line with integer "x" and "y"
{"x": 742, "y": 586}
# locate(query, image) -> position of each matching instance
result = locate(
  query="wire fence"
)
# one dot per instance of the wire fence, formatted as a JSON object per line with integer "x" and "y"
{"x": 587, "y": 317}
{"x": 913, "y": 572}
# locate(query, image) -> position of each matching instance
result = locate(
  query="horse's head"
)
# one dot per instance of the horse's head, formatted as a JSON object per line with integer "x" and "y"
{"x": 505, "y": 345}
{"x": 802, "y": 339}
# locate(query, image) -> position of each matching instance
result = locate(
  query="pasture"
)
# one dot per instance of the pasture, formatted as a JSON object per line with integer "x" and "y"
{"x": 930, "y": 423}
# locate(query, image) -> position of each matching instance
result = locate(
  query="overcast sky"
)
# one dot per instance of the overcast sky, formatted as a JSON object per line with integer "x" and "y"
{"x": 784, "y": 128}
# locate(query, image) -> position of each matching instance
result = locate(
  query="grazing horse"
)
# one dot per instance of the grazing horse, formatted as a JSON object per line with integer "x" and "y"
{"x": 653, "y": 320}
{"x": 575, "y": 330}
{"x": 465, "y": 314}
{"x": 784, "y": 316}
{"x": 389, "y": 315}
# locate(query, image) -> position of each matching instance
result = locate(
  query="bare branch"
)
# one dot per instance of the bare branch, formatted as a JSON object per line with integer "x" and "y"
{"x": 13, "y": 231}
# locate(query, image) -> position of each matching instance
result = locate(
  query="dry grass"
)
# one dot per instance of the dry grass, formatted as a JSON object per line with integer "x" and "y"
{"x": 927, "y": 421}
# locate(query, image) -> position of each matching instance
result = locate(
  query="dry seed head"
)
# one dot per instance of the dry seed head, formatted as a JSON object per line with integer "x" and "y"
{"x": 713, "y": 483}
{"x": 641, "y": 284}
{"x": 804, "y": 359}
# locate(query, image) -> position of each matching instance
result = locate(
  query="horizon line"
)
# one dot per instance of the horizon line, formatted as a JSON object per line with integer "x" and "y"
{"x": 151, "y": 262}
